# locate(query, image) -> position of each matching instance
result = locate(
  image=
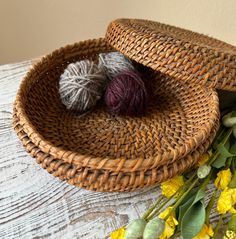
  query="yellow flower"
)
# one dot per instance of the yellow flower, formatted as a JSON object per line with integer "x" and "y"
{"x": 226, "y": 201}
{"x": 170, "y": 223}
{"x": 223, "y": 179}
{"x": 230, "y": 235}
{"x": 171, "y": 186}
{"x": 118, "y": 234}
{"x": 205, "y": 233}
{"x": 204, "y": 158}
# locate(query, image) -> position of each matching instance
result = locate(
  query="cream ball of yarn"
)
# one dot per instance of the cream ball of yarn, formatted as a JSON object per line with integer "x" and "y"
{"x": 113, "y": 63}
{"x": 81, "y": 85}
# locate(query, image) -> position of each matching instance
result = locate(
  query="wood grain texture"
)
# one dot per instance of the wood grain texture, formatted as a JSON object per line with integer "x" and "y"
{"x": 34, "y": 204}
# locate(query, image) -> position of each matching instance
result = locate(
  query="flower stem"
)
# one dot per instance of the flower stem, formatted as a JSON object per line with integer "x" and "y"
{"x": 181, "y": 189}
{"x": 215, "y": 155}
{"x": 159, "y": 208}
{"x": 206, "y": 181}
{"x": 150, "y": 210}
{"x": 181, "y": 198}
{"x": 153, "y": 211}
{"x": 224, "y": 140}
{"x": 210, "y": 206}
{"x": 218, "y": 136}
{"x": 185, "y": 194}
{"x": 227, "y": 135}
{"x": 218, "y": 226}
{"x": 228, "y": 163}
{"x": 191, "y": 178}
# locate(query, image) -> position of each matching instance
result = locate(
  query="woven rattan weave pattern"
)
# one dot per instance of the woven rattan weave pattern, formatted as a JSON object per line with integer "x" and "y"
{"x": 180, "y": 119}
{"x": 179, "y": 53}
{"x": 105, "y": 180}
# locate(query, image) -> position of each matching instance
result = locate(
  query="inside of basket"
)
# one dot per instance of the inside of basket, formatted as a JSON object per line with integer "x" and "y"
{"x": 176, "y": 114}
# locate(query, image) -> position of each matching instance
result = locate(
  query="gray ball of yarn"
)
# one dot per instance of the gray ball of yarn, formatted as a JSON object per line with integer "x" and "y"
{"x": 81, "y": 85}
{"x": 113, "y": 63}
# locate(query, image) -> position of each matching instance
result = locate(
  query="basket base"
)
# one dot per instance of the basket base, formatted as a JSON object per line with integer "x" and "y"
{"x": 105, "y": 180}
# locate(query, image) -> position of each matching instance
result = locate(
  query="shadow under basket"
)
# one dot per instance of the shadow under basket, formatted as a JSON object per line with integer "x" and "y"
{"x": 103, "y": 152}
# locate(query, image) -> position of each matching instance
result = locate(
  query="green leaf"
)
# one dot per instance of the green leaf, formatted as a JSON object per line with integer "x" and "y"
{"x": 224, "y": 150}
{"x": 200, "y": 194}
{"x": 193, "y": 220}
{"x": 219, "y": 162}
{"x": 233, "y": 149}
{"x": 224, "y": 154}
{"x": 232, "y": 222}
{"x": 191, "y": 194}
{"x": 232, "y": 184}
{"x": 182, "y": 210}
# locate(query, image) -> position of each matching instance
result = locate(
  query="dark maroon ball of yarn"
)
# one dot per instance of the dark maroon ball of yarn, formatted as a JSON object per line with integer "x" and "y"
{"x": 126, "y": 94}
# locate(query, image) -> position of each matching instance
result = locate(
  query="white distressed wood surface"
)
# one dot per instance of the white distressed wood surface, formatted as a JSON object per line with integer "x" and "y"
{"x": 34, "y": 204}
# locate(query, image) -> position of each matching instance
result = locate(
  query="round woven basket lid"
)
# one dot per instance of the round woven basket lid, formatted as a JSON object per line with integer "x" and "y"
{"x": 179, "y": 53}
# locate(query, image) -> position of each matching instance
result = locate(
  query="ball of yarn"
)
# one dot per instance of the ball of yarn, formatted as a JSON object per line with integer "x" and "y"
{"x": 81, "y": 85}
{"x": 114, "y": 63}
{"x": 126, "y": 94}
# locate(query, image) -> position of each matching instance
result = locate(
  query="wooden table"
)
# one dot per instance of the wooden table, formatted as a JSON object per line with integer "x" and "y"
{"x": 34, "y": 204}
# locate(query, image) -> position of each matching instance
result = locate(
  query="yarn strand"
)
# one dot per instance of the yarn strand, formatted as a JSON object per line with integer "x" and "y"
{"x": 81, "y": 85}
{"x": 126, "y": 94}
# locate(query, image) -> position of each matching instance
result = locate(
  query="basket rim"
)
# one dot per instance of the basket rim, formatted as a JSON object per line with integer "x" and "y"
{"x": 159, "y": 46}
{"x": 98, "y": 162}
{"x": 63, "y": 171}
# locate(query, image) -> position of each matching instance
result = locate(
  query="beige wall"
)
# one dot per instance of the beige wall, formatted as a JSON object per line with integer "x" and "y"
{"x": 31, "y": 28}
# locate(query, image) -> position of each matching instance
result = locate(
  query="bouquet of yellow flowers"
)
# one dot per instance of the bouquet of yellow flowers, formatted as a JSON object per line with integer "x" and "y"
{"x": 181, "y": 210}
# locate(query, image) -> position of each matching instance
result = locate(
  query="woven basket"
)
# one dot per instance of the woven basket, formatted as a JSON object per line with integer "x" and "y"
{"x": 179, "y": 53}
{"x": 103, "y": 152}
{"x": 106, "y": 180}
